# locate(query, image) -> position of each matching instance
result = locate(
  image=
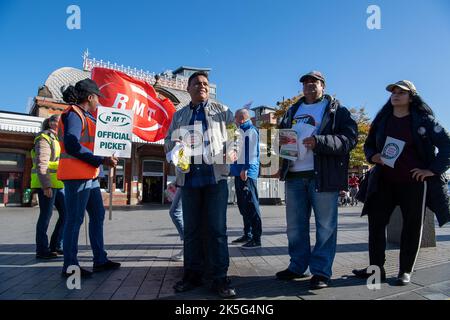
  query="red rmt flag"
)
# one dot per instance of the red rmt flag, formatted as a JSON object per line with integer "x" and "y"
{"x": 152, "y": 116}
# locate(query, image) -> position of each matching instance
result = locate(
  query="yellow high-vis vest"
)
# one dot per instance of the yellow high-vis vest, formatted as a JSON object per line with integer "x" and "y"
{"x": 52, "y": 164}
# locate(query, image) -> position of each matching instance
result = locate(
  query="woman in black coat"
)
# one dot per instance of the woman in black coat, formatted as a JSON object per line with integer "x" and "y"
{"x": 408, "y": 172}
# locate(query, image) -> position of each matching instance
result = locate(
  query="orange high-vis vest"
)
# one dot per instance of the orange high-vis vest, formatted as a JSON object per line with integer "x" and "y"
{"x": 71, "y": 168}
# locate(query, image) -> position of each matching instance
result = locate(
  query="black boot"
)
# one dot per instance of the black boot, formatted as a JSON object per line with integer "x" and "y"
{"x": 363, "y": 274}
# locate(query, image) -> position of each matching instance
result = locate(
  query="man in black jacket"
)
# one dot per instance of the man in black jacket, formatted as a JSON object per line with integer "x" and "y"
{"x": 327, "y": 131}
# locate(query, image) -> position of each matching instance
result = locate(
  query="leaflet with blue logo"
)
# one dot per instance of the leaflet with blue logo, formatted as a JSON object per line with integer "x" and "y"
{"x": 391, "y": 151}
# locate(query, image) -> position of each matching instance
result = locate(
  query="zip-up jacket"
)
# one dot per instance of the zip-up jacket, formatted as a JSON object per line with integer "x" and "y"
{"x": 218, "y": 117}
{"x": 336, "y": 137}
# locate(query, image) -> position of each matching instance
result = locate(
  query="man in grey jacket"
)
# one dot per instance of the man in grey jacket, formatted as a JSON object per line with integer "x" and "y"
{"x": 204, "y": 189}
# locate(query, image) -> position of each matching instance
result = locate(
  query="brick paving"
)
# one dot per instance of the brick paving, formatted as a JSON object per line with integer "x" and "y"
{"x": 144, "y": 239}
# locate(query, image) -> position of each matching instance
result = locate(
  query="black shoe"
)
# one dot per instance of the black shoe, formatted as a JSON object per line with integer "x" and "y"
{"x": 363, "y": 274}
{"x": 223, "y": 289}
{"x": 318, "y": 282}
{"x": 403, "y": 279}
{"x": 289, "y": 275}
{"x": 189, "y": 282}
{"x": 242, "y": 239}
{"x": 59, "y": 252}
{"x": 108, "y": 265}
{"x": 252, "y": 244}
{"x": 84, "y": 273}
{"x": 46, "y": 256}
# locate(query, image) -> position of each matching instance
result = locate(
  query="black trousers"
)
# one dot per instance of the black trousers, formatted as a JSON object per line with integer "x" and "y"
{"x": 411, "y": 199}
{"x": 205, "y": 230}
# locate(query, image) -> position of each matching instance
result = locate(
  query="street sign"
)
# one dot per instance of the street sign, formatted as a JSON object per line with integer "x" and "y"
{"x": 113, "y": 132}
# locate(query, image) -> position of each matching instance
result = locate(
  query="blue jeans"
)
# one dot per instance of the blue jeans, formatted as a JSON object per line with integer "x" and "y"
{"x": 205, "y": 227}
{"x": 301, "y": 196}
{"x": 45, "y": 213}
{"x": 248, "y": 203}
{"x": 176, "y": 213}
{"x": 81, "y": 196}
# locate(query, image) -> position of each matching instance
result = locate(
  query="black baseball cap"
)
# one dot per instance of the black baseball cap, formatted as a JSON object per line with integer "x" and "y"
{"x": 313, "y": 74}
{"x": 90, "y": 86}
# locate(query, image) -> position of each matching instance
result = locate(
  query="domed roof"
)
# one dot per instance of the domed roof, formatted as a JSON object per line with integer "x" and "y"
{"x": 64, "y": 77}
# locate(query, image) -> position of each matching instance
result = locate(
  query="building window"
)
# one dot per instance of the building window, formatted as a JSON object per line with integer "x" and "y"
{"x": 120, "y": 175}
{"x": 11, "y": 162}
{"x": 119, "y": 178}
{"x": 104, "y": 180}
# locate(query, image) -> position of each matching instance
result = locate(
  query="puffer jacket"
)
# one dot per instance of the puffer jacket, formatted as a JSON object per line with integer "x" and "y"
{"x": 336, "y": 137}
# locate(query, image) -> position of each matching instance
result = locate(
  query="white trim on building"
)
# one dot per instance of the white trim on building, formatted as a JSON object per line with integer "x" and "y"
{"x": 20, "y": 123}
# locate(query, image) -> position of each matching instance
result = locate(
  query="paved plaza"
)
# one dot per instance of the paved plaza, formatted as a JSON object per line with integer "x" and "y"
{"x": 143, "y": 240}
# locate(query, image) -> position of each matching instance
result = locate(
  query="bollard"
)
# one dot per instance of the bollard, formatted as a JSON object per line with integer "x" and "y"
{"x": 394, "y": 229}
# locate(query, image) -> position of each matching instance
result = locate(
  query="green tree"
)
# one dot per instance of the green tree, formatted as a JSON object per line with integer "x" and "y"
{"x": 357, "y": 157}
{"x": 284, "y": 105}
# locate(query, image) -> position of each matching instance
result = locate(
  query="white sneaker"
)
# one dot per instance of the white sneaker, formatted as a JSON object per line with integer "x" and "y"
{"x": 179, "y": 256}
{"x": 404, "y": 279}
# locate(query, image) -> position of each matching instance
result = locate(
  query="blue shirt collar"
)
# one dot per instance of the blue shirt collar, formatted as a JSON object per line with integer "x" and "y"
{"x": 201, "y": 105}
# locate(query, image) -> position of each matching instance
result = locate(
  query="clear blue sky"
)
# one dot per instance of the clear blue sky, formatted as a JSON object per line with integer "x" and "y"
{"x": 257, "y": 49}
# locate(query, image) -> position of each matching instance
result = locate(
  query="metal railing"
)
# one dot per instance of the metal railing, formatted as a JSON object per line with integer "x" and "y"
{"x": 177, "y": 82}
{"x": 268, "y": 188}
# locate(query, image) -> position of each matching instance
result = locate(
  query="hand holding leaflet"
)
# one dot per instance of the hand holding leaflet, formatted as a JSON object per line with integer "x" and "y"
{"x": 391, "y": 151}
{"x": 179, "y": 156}
{"x": 306, "y": 130}
{"x": 288, "y": 144}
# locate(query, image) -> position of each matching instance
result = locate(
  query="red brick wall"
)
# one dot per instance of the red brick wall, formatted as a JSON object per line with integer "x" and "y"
{"x": 46, "y": 108}
{"x": 119, "y": 199}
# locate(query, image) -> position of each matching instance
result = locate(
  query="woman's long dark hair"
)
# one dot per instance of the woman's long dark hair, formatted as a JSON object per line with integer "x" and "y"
{"x": 416, "y": 104}
{"x": 73, "y": 96}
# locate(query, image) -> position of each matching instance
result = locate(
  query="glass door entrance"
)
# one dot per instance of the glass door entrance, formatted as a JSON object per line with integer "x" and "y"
{"x": 152, "y": 181}
{"x": 153, "y": 187}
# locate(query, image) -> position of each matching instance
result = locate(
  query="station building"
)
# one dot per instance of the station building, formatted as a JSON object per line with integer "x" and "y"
{"x": 141, "y": 179}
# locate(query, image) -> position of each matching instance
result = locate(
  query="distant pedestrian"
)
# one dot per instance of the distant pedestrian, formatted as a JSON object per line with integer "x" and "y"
{"x": 353, "y": 185}
{"x": 176, "y": 214}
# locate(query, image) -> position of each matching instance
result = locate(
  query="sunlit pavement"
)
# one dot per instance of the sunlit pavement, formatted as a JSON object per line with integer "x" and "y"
{"x": 144, "y": 239}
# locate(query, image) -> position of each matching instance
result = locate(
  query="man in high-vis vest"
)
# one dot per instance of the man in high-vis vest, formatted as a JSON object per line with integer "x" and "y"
{"x": 45, "y": 156}
{"x": 79, "y": 169}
